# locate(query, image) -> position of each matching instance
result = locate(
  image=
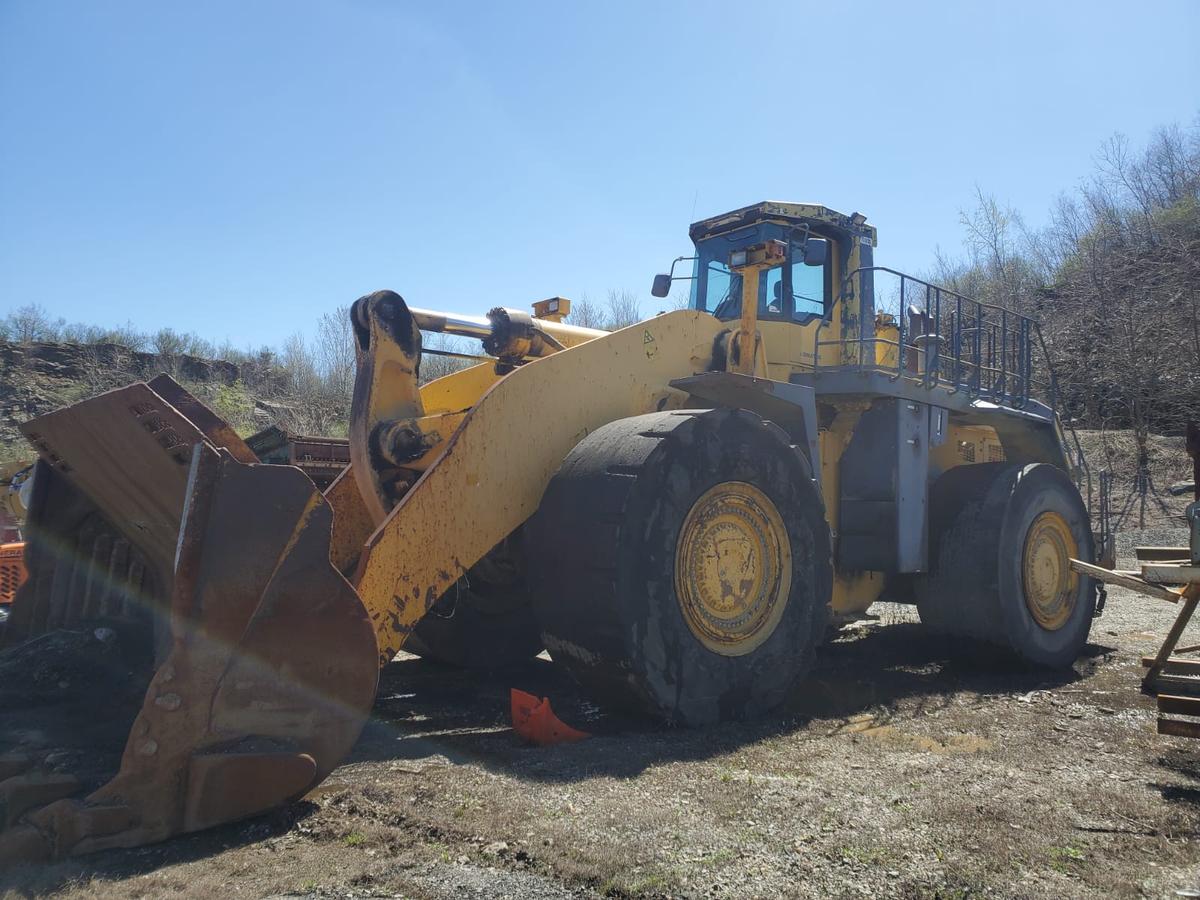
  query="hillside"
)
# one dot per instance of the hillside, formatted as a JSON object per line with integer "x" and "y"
{"x": 41, "y": 376}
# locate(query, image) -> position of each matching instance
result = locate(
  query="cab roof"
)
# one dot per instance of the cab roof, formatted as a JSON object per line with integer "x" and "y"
{"x": 778, "y": 211}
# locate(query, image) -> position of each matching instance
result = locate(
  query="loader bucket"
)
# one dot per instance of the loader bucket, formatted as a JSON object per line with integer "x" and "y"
{"x": 238, "y": 658}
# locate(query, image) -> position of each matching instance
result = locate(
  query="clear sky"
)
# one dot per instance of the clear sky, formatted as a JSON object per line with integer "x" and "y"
{"x": 237, "y": 168}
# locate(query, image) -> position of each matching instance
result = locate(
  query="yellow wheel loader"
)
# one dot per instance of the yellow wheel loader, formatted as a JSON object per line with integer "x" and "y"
{"x": 675, "y": 511}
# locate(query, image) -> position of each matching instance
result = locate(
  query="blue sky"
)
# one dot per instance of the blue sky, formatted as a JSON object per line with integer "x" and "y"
{"x": 238, "y": 168}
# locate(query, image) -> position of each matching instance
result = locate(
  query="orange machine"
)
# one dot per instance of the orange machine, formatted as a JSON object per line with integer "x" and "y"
{"x": 12, "y": 570}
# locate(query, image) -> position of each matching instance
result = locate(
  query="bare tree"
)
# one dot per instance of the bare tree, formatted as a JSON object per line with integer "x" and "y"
{"x": 680, "y": 298}
{"x": 78, "y": 333}
{"x": 620, "y": 308}
{"x": 335, "y": 351}
{"x": 128, "y": 336}
{"x": 300, "y": 363}
{"x": 585, "y": 313}
{"x": 30, "y": 323}
{"x": 435, "y": 364}
{"x": 194, "y": 345}
{"x": 1001, "y": 269}
{"x": 168, "y": 342}
{"x": 623, "y": 309}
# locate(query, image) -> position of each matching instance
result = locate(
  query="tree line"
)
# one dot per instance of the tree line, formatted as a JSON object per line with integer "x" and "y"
{"x": 1114, "y": 278}
{"x": 305, "y": 384}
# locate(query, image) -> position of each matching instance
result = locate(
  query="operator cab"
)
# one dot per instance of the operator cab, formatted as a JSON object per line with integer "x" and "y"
{"x": 801, "y": 288}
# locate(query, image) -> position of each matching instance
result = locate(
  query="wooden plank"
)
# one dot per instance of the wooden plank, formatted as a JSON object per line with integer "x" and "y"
{"x": 1158, "y": 554}
{"x": 1126, "y": 581}
{"x": 1179, "y": 728}
{"x": 1178, "y": 685}
{"x": 1175, "y": 664}
{"x": 1179, "y": 706}
{"x": 1166, "y": 573}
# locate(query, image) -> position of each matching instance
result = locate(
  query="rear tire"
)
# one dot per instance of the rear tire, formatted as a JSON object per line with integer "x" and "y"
{"x": 1000, "y": 537}
{"x": 727, "y": 632}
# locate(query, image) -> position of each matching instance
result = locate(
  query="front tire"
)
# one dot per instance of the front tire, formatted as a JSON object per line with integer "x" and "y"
{"x": 683, "y": 566}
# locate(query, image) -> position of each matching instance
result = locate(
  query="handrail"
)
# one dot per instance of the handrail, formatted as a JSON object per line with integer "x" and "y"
{"x": 963, "y": 344}
{"x": 1006, "y": 355}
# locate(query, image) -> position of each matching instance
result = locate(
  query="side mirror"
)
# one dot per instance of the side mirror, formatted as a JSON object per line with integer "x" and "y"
{"x": 662, "y": 285}
{"x": 816, "y": 251}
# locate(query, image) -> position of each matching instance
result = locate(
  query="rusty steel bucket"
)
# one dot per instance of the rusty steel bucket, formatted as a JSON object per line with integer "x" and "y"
{"x": 163, "y": 557}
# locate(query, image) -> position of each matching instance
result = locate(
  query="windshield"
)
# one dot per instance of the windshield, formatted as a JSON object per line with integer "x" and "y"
{"x": 794, "y": 291}
{"x": 716, "y": 288}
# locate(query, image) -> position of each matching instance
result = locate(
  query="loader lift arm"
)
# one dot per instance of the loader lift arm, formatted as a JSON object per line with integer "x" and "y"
{"x": 489, "y": 475}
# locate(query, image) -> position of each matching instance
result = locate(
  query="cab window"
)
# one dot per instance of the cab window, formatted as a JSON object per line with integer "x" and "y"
{"x": 795, "y": 291}
{"x": 809, "y": 296}
{"x": 717, "y": 285}
{"x": 729, "y": 304}
{"x": 770, "y": 292}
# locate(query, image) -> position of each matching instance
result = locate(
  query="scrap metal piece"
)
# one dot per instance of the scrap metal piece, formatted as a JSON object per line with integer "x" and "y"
{"x": 534, "y": 720}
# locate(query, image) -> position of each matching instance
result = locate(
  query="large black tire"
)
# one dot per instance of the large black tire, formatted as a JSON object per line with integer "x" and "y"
{"x": 486, "y": 620}
{"x": 604, "y": 580}
{"x": 978, "y": 585}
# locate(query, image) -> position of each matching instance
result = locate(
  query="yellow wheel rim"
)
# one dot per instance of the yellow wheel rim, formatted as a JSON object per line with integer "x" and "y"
{"x": 733, "y": 568}
{"x": 1051, "y": 587}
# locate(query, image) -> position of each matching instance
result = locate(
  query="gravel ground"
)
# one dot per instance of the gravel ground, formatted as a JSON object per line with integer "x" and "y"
{"x": 903, "y": 768}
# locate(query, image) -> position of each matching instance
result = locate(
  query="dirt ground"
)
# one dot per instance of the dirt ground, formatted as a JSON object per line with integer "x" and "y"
{"x": 902, "y": 768}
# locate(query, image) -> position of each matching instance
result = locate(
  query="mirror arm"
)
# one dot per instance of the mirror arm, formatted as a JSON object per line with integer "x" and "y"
{"x": 675, "y": 262}
{"x": 662, "y": 283}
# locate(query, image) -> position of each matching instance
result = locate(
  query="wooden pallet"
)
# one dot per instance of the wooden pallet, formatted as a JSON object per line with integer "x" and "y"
{"x": 1173, "y": 678}
{"x": 1171, "y": 704}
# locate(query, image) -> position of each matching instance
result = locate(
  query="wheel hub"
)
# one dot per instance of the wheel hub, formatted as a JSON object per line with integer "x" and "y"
{"x": 733, "y": 568}
{"x": 1051, "y": 587}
